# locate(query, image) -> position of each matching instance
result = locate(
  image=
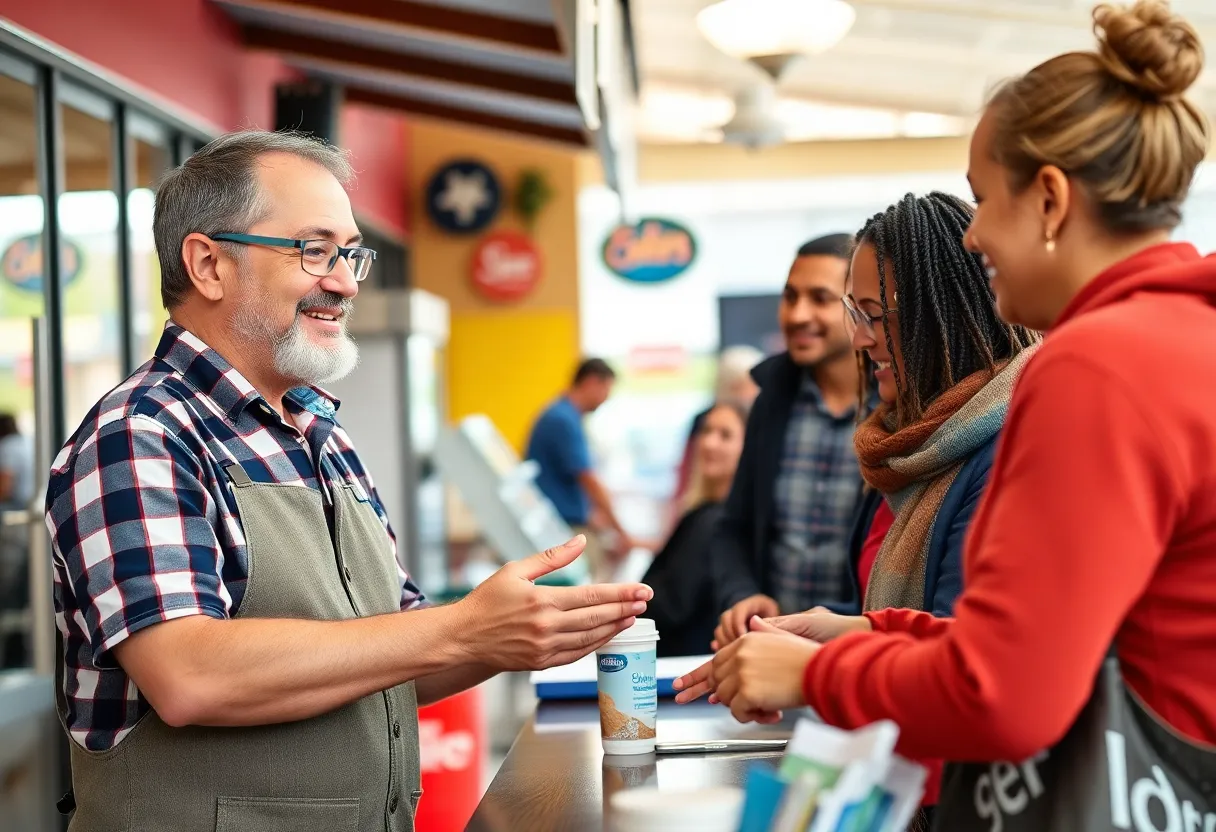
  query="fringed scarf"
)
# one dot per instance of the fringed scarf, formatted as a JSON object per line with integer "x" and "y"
{"x": 915, "y": 466}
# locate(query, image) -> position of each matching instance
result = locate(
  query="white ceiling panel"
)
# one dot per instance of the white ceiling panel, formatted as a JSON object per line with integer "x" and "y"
{"x": 940, "y": 56}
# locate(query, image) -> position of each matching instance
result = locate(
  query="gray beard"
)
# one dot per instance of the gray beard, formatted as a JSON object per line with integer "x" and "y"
{"x": 295, "y": 356}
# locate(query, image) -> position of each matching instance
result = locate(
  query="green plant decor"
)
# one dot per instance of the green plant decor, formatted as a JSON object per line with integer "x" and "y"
{"x": 532, "y": 194}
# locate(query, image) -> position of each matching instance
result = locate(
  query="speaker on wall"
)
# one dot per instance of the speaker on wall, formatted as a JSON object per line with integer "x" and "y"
{"x": 310, "y": 106}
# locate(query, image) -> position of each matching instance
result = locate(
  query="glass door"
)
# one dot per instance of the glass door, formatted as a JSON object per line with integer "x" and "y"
{"x": 151, "y": 158}
{"x": 21, "y": 221}
{"x": 89, "y": 229}
{"x": 29, "y": 732}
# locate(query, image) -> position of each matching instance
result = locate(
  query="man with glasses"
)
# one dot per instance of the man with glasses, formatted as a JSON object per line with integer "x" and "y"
{"x": 782, "y": 544}
{"x": 242, "y": 649}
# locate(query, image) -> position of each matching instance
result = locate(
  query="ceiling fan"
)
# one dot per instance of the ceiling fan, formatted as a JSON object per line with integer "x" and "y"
{"x": 771, "y": 35}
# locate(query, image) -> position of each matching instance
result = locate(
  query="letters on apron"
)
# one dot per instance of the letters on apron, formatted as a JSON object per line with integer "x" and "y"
{"x": 1117, "y": 768}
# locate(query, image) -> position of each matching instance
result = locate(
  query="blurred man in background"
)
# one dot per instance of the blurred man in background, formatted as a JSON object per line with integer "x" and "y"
{"x": 782, "y": 542}
{"x": 558, "y": 445}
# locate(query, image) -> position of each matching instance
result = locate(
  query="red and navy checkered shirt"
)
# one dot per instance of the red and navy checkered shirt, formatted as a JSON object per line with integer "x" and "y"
{"x": 143, "y": 526}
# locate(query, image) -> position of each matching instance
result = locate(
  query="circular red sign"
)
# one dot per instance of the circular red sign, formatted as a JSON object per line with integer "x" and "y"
{"x": 506, "y": 266}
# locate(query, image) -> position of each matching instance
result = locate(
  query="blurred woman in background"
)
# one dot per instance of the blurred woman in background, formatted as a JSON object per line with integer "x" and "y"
{"x": 733, "y": 383}
{"x": 683, "y": 606}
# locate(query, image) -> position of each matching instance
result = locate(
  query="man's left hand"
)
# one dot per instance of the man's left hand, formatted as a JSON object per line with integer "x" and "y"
{"x": 761, "y": 673}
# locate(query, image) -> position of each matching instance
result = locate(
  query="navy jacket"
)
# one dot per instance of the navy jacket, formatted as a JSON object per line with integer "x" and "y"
{"x": 683, "y": 604}
{"x": 944, "y": 567}
{"x": 739, "y": 554}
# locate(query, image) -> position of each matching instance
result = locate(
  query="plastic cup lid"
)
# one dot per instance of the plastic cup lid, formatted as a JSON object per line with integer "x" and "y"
{"x": 643, "y": 629}
{"x": 710, "y": 808}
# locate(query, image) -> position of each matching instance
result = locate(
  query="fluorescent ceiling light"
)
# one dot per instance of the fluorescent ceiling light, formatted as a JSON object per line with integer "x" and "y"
{"x": 673, "y": 113}
{"x": 931, "y": 125}
{"x": 753, "y": 28}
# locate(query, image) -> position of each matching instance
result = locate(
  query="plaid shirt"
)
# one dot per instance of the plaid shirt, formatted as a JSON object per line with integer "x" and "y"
{"x": 143, "y": 526}
{"x": 815, "y": 498}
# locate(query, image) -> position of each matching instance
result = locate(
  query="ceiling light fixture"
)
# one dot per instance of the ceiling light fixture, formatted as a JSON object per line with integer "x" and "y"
{"x": 772, "y": 33}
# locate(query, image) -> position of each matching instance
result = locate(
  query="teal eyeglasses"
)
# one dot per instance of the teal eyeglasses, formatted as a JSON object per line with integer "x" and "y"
{"x": 317, "y": 257}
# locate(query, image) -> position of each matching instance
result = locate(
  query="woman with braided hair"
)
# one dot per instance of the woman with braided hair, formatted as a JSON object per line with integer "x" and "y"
{"x": 1074, "y": 684}
{"x": 921, "y": 313}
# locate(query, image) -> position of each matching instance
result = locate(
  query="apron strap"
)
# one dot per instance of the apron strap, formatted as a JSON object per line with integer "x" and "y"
{"x": 236, "y": 474}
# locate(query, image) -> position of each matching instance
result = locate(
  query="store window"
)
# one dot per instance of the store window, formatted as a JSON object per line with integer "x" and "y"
{"x": 88, "y": 221}
{"x": 21, "y": 220}
{"x": 148, "y": 315}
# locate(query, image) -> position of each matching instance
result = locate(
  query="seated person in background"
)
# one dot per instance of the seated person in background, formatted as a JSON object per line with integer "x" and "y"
{"x": 734, "y": 383}
{"x": 684, "y": 610}
{"x": 918, "y": 306}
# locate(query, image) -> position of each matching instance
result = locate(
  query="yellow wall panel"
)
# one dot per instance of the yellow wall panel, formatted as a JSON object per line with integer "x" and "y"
{"x": 510, "y": 365}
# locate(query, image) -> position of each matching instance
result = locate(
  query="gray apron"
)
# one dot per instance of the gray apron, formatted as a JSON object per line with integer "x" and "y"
{"x": 355, "y": 769}
{"x": 1117, "y": 768}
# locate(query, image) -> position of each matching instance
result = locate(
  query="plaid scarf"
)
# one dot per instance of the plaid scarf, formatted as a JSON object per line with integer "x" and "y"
{"x": 915, "y": 466}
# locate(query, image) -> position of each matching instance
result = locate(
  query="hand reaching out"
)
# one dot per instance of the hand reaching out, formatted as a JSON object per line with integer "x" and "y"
{"x": 510, "y": 623}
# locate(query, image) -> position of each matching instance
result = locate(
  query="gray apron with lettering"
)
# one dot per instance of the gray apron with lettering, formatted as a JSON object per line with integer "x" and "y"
{"x": 1117, "y": 768}
{"x": 355, "y": 769}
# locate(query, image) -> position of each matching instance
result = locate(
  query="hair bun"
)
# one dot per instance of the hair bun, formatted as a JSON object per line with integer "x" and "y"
{"x": 1148, "y": 47}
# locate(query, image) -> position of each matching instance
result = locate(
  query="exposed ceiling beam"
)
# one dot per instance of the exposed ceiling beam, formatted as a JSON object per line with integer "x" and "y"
{"x": 420, "y": 107}
{"x": 444, "y": 20}
{"x": 365, "y": 57}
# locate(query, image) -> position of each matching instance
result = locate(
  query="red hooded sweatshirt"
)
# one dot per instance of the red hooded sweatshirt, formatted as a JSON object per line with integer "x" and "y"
{"x": 1098, "y": 525}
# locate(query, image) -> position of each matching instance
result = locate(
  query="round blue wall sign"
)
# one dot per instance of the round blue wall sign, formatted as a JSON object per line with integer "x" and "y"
{"x": 463, "y": 197}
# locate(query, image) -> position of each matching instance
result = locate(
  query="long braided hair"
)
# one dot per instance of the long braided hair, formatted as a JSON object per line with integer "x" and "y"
{"x": 948, "y": 327}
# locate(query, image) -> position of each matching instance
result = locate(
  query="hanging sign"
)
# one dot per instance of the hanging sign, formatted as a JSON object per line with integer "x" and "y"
{"x": 463, "y": 197}
{"x": 21, "y": 263}
{"x": 506, "y": 266}
{"x": 651, "y": 251}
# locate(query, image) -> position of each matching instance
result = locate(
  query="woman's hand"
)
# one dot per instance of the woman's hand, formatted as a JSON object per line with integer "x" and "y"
{"x": 733, "y": 622}
{"x": 694, "y": 685}
{"x": 820, "y": 625}
{"x": 760, "y": 674}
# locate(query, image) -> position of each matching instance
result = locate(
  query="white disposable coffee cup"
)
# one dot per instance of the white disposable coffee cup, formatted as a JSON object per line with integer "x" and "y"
{"x": 629, "y": 690}
{"x": 651, "y": 810}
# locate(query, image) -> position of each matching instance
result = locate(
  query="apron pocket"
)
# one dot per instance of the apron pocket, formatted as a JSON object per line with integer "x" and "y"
{"x": 287, "y": 814}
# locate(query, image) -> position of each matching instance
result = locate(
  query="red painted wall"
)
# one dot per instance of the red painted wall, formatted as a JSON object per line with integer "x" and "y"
{"x": 189, "y": 52}
{"x": 378, "y": 141}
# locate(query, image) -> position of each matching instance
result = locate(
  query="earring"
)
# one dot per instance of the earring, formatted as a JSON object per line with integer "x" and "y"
{"x": 1050, "y": 244}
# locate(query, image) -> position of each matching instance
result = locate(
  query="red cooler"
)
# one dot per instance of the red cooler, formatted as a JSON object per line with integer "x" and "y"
{"x": 452, "y": 738}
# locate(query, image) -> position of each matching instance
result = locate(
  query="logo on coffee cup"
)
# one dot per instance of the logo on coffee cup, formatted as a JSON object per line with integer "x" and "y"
{"x": 612, "y": 663}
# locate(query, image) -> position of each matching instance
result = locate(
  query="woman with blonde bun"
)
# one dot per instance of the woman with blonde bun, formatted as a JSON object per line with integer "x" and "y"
{"x": 1080, "y": 651}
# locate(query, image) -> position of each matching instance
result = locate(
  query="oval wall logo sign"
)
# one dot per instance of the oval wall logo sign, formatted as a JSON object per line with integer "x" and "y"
{"x": 21, "y": 262}
{"x": 651, "y": 251}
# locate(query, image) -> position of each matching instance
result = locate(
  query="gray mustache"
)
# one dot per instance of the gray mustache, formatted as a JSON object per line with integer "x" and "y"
{"x": 324, "y": 298}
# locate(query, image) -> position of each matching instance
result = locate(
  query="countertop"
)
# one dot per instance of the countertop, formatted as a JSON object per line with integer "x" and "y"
{"x": 556, "y": 776}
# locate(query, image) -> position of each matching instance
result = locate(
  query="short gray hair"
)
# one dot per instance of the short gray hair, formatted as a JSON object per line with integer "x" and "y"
{"x": 215, "y": 191}
{"x": 735, "y": 364}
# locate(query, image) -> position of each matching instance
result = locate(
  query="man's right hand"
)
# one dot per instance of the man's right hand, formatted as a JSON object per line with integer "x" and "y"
{"x": 733, "y": 622}
{"x": 509, "y": 623}
{"x": 820, "y": 624}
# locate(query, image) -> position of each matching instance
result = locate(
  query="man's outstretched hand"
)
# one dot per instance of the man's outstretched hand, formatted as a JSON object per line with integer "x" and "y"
{"x": 510, "y": 623}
